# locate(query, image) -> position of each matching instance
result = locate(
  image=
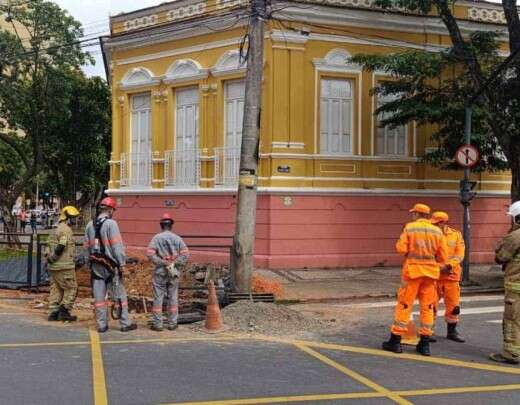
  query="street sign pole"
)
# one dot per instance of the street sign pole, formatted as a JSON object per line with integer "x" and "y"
{"x": 465, "y": 191}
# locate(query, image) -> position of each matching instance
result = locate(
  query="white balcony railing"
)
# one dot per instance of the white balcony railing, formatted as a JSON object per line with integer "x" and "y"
{"x": 182, "y": 168}
{"x": 136, "y": 169}
{"x": 227, "y": 163}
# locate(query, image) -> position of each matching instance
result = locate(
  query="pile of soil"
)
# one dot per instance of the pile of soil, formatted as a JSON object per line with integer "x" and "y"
{"x": 269, "y": 319}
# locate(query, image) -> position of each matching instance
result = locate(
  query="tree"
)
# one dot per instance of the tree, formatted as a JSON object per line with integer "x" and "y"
{"x": 43, "y": 50}
{"x": 76, "y": 154}
{"x": 432, "y": 89}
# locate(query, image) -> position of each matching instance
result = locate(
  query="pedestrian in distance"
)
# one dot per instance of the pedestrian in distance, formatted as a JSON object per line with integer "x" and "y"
{"x": 33, "y": 222}
{"x": 508, "y": 255}
{"x": 60, "y": 263}
{"x": 169, "y": 253}
{"x": 107, "y": 260}
{"x": 448, "y": 285}
{"x": 425, "y": 251}
{"x": 23, "y": 220}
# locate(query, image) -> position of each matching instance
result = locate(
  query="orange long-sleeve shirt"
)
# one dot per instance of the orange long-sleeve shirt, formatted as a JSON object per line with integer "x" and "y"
{"x": 425, "y": 249}
{"x": 456, "y": 251}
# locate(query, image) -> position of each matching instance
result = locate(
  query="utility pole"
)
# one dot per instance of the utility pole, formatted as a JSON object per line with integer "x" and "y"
{"x": 242, "y": 252}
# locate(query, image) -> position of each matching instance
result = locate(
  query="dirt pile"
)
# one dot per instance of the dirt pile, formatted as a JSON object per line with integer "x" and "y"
{"x": 269, "y": 319}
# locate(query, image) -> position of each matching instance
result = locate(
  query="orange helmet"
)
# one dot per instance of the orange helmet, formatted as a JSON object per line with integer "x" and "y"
{"x": 108, "y": 202}
{"x": 421, "y": 208}
{"x": 439, "y": 216}
{"x": 167, "y": 218}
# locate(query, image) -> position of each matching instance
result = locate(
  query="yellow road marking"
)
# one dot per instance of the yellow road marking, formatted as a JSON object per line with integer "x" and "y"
{"x": 178, "y": 339}
{"x": 98, "y": 372}
{"x": 354, "y": 375}
{"x": 459, "y": 390}
{"x": 443, "y": 361}
{"x": 39, "y": 344}
{"x": 294, "y": 398}
{"x": 354, "y": 395}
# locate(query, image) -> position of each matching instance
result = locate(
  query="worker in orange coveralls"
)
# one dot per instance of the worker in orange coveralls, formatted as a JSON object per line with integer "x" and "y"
{"x": 425, "y": 250}
{"x": 448, "y": 286}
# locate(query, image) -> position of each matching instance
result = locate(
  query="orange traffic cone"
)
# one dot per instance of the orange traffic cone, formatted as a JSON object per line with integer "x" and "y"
{"x": 214, "y": 323}
{"x": 410, "y": 337}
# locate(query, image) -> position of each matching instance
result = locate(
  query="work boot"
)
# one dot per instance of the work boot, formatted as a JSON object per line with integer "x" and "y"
{"x": 65, "y": 316}
{"x": 173, "y": 327}
{"x": 433, "y": 339}
{"x": 129, "y": 328}
{"x": 53, "y": 316}
{"x": 453, "y": 334}
{"x": 102, "y": 330}
{"x": 423, "y": 347}
{"x": 157, "y": 328}
{"x": 393, "y": 344}
{"x": 500, "y": 358}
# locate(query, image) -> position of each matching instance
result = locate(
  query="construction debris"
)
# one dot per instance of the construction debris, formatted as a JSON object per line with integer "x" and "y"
{"x": 269, "y": 319}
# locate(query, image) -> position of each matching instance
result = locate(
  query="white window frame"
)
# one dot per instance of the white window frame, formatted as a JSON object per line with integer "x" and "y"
{"x": 380, "y": 100}
{"x": 147, "y": 164}
{"x": 351, "y": 112}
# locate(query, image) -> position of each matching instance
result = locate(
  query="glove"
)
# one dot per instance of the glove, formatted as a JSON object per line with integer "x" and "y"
{"x": 52, "y": 259}
{"x": 447, "y": 269}
{"x": 172, "y": 271}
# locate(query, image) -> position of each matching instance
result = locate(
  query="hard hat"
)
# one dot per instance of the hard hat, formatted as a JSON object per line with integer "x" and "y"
{"x": 514, "y": 209}
{"x": 68, "y": 212}
{"x": 108, "y": 202}
{"x": 439, "y": 216}
{"x": 167, "y": 218}
{"x": 421, "y": 208}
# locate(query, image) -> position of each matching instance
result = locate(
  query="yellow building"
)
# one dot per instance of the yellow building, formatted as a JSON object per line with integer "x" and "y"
{"x": 334, "y": 188}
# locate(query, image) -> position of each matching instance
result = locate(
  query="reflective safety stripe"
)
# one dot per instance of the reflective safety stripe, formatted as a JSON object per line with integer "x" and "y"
{"x": 185, "y": 251}
{"x": 400, "y": 325}
{"x": 113, "y": 241}
{"x": 427, "y": 326}
{"x": 150, "y": 251}
{"x": 427, "y": 230}
{"x": 420, "y": 257}
{"x": 455, "y": 258}
{"x": 100, "y": 304}
{"x": 157, "y": 309}
{"x": 89, "y": 242}
{"x": 173, "y": 308}
{"x": 124, "y": 304}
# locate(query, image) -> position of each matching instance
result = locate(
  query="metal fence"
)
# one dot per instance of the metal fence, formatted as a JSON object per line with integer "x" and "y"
{"x": 17, "y": 260}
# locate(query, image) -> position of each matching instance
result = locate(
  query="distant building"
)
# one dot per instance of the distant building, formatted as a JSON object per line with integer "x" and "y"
{"x": 334, "y": 188}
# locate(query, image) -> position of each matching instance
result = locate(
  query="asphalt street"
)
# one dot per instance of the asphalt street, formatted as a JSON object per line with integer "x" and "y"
{"x": 44, "y": 363}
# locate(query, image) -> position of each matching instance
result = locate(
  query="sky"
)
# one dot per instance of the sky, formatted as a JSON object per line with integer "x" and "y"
{"x": 93, "y": 14}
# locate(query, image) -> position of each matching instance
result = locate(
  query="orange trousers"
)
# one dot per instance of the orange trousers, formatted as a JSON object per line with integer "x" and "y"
{"x": 424, "y": 289}
{"x": 449, "y": 290}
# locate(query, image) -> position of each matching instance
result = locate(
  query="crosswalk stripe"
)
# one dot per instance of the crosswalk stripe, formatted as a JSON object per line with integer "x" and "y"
{"x": 383, "y": 304}
{"x": 472, "y": 311}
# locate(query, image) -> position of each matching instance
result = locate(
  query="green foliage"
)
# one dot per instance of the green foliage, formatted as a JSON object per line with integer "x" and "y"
{"x": 45, "y": 97}
{"x": 431, "y": 88}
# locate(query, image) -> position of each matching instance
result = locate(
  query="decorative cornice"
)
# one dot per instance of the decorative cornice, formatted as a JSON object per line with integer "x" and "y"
{"x": 290, "y": 37}
{"x": 189, "y": 10}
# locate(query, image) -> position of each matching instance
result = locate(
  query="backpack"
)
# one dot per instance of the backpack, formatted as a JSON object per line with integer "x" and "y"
{"x": 99, "y": 255}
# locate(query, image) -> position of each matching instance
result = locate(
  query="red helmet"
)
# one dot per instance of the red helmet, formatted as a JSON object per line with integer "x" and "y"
{"x": 166, "y": 218}
{"x": 108, "y": 202}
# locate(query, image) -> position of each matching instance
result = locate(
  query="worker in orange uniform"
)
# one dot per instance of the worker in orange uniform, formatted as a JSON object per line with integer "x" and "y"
{"x": 425, "y": 250}
{"x": 448, "y": 286}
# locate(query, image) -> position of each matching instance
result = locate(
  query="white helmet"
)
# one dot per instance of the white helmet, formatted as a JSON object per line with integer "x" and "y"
{"x": 514, "y": 209}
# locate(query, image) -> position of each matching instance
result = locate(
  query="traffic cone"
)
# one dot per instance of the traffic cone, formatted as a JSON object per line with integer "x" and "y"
{"x": 410, "y": 337}
{"x": 214, "y": 323}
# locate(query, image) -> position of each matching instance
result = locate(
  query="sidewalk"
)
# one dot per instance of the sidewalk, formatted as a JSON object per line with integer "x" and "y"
{"x": 311, "y": 285}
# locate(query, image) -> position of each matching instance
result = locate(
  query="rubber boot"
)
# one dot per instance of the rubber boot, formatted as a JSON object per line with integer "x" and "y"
{"x": 65, "y": 316}
{"x": 453, "y": 334}
{"x": 156, "y": 328}
{"x": 53, "y": 316}
{"x": 423, "y": 347}
{"x": 393, "y": 344}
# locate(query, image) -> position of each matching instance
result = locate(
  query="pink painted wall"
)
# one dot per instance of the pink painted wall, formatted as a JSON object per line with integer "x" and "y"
{"x": 316, "y": 231}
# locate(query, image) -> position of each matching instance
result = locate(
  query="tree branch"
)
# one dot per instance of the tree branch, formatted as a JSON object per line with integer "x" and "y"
{"x": 513, "y": 23}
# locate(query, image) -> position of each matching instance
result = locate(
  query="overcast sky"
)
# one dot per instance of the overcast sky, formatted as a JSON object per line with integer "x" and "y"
{"x": 93, "y": 14}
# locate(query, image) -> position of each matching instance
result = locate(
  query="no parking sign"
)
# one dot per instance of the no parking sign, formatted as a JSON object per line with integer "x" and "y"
{"x": 467, "y": 156}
